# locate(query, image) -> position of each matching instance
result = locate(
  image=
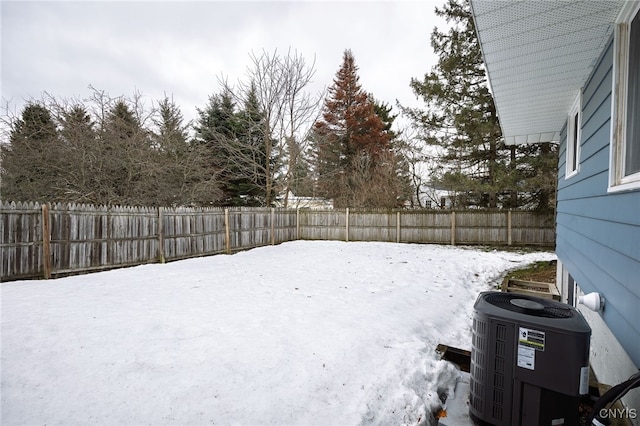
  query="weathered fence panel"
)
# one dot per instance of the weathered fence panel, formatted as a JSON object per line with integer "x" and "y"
{"x": 21, "y": 240}
{"x": 42, "y": 240}
{"x": 421, "y": 226}
{"x": 284, "y": 225}
{"x": 249, "y": 228}
{"x": 429, "y": 226}
{"x": 533, "y": 229}
{"x": 188, "y": 232}
{"x": 372, "y": 226}
{"x": 323, "y": 224}
{"x": 479, "y": 227}
{"x": 85, "y": 238}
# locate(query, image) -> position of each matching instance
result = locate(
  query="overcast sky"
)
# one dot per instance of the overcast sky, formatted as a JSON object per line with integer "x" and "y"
{"x": 181, "y": 48}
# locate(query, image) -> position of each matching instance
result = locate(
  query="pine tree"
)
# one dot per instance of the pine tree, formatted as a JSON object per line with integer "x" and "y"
{"x": 353, "y": 150}
{"x": 461, "y": 121}
{"x": 216, "y": 128}
{"x": 80, "y": 162}
{"x": 29, "y": 169}
{"x": 126, "y": 151}
{"x": 172, "y": 134}
{"x": 236, "y": 147}
{"x": 400, "y": 183}
{"x": 217, "y": 119}
{"x": 181, "y": 168}
{"x": 250, "y": 163}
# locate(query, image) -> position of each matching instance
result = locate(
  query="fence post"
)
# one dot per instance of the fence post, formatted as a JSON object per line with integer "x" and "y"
{"x": 161, "y": 234}
{"x": 298, "y": 223}
{"x": 347, "y": 227}
{"x": 509, "y": 237}
{"x": 398, "y": 226}
{"x": 273, "y": 226}
{"x": 46, "y": 242}
{"x": 227, "y": 234}
{"x": 453, "y": 228}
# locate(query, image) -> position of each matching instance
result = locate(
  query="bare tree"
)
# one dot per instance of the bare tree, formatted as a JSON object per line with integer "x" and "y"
{"x": 278, "y": 86}
{"x": 301, "y": 111}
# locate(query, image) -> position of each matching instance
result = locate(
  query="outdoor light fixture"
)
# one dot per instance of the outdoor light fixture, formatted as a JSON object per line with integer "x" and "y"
{"x": 593, "y": 301}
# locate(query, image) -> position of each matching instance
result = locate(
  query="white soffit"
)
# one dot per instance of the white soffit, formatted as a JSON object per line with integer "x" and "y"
{"x": 538, "y": 55}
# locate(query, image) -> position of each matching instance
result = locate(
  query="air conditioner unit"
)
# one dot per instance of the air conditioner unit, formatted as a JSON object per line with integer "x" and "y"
{"x": 529, "y": 361}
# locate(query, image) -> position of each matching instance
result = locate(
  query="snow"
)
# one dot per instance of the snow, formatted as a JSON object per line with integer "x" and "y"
{"x": 305, "y": 333}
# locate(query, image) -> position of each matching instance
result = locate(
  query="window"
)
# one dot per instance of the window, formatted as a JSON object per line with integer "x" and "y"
{"x": 625, "y": 125}
{"x": 573, "y": 138}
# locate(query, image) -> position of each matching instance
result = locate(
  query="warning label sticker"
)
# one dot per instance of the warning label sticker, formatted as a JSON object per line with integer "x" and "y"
{"x": 531, "y": 338}
{"x": 529, "y": 341}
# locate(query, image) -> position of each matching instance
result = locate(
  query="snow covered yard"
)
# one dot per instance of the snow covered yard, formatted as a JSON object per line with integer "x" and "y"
{"x": 305, "y": 332}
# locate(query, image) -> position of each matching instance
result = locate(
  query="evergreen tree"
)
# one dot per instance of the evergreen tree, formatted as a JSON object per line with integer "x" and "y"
{"x": 251, "y": 164}
{"x": 353, "y": 160}
{"x": 217, "y": 119}
{"x": 461, "y": 119}
{"x": 216, "y": 126}
{"x": 122, "y": 123}
{"x": 461, "y": 122}
{"x": 127, "y": 154}
{"x": 536, "y": 168}
{"x": 80, "y": 161}
{"x": 236, "y": 149}
{"x": 181, "y": 168}
{"x": 29, "y": 169}
{"x": 172, "y": 134}
{"x": 384, "y": 111}
{"x": 402, "y": 182}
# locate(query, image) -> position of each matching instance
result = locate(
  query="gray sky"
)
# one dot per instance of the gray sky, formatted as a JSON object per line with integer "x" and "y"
{"x": 181, "y": 48}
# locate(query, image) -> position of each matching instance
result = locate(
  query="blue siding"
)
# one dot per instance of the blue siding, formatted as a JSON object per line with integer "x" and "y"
{"x": 598, "y": 233}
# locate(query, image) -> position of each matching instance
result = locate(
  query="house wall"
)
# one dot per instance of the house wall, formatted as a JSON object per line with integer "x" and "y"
{"x": 598, "y": 233}
{"x": 608, "y": 359}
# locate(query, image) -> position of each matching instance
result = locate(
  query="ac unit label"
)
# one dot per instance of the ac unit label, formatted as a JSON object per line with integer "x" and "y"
{"x": 529, "y": 341}
{"x": 531, "y": 338}
{"x": 526, "y": 358}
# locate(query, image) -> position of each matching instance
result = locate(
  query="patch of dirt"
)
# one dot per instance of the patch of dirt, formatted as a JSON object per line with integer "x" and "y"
{"x": 544, "y": 272}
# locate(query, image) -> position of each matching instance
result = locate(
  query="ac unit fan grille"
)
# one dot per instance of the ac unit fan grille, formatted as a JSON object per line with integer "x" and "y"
{"x": 549, "y": 309}
{"x": 498, "y": 407}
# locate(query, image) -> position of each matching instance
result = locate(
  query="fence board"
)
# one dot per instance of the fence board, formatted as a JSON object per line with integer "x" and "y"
{"x": 88, "y": 238}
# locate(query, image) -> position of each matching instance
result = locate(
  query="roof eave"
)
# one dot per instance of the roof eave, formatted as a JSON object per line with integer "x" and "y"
{"x": 538, "y": 55}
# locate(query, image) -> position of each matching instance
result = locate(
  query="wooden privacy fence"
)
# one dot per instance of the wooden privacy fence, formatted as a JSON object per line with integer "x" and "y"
{"x": 428, "y": 226}
{"x": 45, "y": 240}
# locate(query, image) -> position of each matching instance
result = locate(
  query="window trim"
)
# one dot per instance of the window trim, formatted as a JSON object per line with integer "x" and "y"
{"x": 617, "y": 179}
{"x": 574, "y": 133}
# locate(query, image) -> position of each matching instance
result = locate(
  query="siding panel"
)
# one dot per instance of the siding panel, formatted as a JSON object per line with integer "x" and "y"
{"x": 597, "y": 128}
{"x": 599, "y": 75}
{"x": 600, "y": 208}
{"x": 621, "y": 310}
{"x": 589, "y": 185}
{"x": 598, "y": 233}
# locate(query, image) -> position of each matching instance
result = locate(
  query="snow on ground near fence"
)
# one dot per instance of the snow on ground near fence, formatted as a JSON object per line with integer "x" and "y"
{"x": 305, "y": 332}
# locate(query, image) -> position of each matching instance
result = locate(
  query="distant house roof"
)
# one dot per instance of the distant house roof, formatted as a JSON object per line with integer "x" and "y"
{"x": 295, "y": 202}
{"x": 538, "y": 54}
